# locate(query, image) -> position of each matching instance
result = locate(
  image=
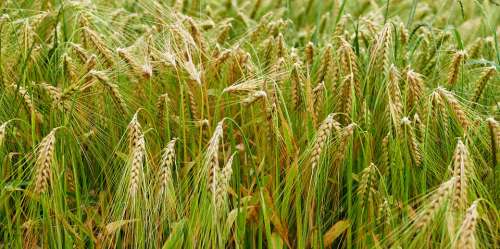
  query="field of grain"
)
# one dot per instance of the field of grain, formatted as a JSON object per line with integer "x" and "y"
{"x": 250, "y": 124}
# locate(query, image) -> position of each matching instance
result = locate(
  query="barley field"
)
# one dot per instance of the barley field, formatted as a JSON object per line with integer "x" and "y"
{"x": 250, "y": 124}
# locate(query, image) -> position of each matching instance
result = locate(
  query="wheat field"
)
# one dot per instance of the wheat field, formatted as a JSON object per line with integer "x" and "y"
{"x": 250, "y": 124}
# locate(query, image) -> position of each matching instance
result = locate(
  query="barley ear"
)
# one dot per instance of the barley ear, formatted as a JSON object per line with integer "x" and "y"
{"x": 487, "y": 74}
{"x": 324, "y": 131}
{"x": 137, "y": 147}
{"x": 456, "y": 63}
{"x": 466, "y": 237}
{"x": 494, "y": 140}
{"x": 43, "y": 164}
{"x": 462, "y": 172}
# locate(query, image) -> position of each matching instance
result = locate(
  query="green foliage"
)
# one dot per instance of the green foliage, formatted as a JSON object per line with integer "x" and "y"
{"x": 249, "y": 124}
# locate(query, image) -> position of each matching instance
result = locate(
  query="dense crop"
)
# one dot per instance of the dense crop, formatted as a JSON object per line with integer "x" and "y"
{"x": 249, "y": 124}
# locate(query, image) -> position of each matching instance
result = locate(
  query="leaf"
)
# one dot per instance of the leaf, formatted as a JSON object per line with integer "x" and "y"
{"x": 276, "y": 241}
{"x": 231, "y": 217}
{"x": 122, "y": 156}
{"x": 176, "y": 237}
{"x": 114, "y": 226}
{"x": 335, "y": 231}
{"x": 458, "y": 38}
{"x": 279, "y": 226}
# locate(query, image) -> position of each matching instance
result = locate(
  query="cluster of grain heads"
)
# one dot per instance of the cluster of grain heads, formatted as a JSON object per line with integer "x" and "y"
{"x": 340, "y": 28}
{"x": 291, "y": 79}
{"x": 43, "y": 164}
{"x": 325, "y": 129}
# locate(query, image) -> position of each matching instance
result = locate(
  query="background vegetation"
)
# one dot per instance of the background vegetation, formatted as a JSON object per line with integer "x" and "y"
{"x": 249, "y": 124}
